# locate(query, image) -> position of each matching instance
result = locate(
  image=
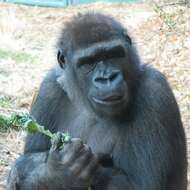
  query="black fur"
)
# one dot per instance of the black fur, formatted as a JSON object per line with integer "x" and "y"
{"x": 135, "y": 144}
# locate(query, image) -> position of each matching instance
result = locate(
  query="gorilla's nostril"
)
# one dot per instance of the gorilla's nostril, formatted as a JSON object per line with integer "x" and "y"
{"x": 113, "y": 76}
{"x": 100, "y": 80}
{"x": 110, "y": 77}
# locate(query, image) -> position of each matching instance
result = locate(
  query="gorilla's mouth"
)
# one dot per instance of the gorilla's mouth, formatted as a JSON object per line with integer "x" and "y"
{"x": 108, "y": 100}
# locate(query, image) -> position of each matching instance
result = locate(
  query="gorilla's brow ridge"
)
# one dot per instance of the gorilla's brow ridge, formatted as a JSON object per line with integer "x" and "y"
{"x": 96, "y": 49}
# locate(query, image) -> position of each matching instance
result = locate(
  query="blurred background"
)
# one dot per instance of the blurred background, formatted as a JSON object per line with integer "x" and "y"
{"x": 161, "y": 30}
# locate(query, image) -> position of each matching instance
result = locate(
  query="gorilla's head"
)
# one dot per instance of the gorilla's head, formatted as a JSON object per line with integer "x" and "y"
{"x": 99, "y": 64}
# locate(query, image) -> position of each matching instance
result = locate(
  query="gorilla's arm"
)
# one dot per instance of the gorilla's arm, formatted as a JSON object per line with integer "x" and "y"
{"x": 28, "y": 173}
{"x": 29, "y": 170}
{"x": 154, "y": 149}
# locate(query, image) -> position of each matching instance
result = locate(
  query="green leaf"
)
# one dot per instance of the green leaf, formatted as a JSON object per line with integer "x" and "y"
{"x": 26, "y": 122}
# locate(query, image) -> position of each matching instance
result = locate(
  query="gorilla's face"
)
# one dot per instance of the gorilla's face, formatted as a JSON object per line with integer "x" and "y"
{"x": 108, "y": 91}
{"x": 100, "y": 72}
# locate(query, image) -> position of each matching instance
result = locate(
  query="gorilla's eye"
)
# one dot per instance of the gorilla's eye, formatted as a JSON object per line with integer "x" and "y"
{"x": 87, "y": 64}
{"x": 115, "y": 52}
{"x": 61, "y": 59}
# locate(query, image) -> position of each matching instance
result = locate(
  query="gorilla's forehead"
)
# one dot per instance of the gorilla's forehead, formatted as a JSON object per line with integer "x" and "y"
{"x": 89, "y": 33}
{"x": 95, "y": 48}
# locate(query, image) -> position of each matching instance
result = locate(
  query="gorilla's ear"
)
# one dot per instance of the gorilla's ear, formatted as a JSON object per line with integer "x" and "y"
{"x": 61, "y": 59}
{"x": 127, "y": 37}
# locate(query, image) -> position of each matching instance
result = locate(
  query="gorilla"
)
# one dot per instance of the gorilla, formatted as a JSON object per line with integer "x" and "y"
{"x": 122, "y": 116}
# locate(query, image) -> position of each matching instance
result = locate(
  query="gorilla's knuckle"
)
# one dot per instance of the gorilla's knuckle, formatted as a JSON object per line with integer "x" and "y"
{"x": 87, "y": 149}
{"x": 66, "y": 160}
{"x": 76, "y": 142}
{"x": 84, "y": 175}
{"x": 74, "y": 169}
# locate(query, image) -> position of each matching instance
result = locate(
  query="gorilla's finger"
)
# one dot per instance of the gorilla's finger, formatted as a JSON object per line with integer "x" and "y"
{"x": 82, "y": 161}
{"x": 90, "y": 169}
{"x": 71, "y": 151}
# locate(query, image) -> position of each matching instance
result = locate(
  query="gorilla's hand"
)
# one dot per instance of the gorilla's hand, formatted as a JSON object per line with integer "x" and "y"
{"x": 74, "y": 164}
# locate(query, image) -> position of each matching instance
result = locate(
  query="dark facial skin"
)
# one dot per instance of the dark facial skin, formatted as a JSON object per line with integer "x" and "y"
{"x": 124, "y": 121}
{"x": 99, "y": 70}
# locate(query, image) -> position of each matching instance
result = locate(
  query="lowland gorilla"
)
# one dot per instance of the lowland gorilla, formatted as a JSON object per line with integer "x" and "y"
{"x": 124, "y": 120}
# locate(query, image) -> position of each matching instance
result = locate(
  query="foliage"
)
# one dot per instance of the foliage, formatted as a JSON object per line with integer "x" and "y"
{"x": 4, "y": 101}
{"x": 26, "y": 122}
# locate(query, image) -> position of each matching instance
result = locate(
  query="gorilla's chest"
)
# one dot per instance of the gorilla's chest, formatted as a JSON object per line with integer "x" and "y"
{"x": 101, "y": 136}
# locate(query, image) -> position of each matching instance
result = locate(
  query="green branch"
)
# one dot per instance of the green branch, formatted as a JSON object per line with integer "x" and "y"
{"x": 27, "y": 123}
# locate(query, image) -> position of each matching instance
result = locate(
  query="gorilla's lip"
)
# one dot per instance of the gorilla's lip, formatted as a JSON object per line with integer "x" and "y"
{"x": 114, "y": 99}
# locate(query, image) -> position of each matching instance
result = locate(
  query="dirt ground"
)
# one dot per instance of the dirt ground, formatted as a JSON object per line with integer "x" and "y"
{"x": 28, "y": 36}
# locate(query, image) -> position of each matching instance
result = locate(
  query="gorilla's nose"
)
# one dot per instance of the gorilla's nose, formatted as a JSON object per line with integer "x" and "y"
{"x": 110, "y": 78}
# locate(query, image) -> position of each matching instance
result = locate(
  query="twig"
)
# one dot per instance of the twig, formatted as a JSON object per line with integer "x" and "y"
{"x": 173, "y": 4}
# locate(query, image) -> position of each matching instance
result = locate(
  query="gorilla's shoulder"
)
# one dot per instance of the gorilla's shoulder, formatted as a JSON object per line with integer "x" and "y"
{"x": 154, "y": 88}
{"x": 153, "y": 78}
{"x": 50, "y": 82}
{"x": 151, "y": 73}
{"x": 49, "y": 92}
